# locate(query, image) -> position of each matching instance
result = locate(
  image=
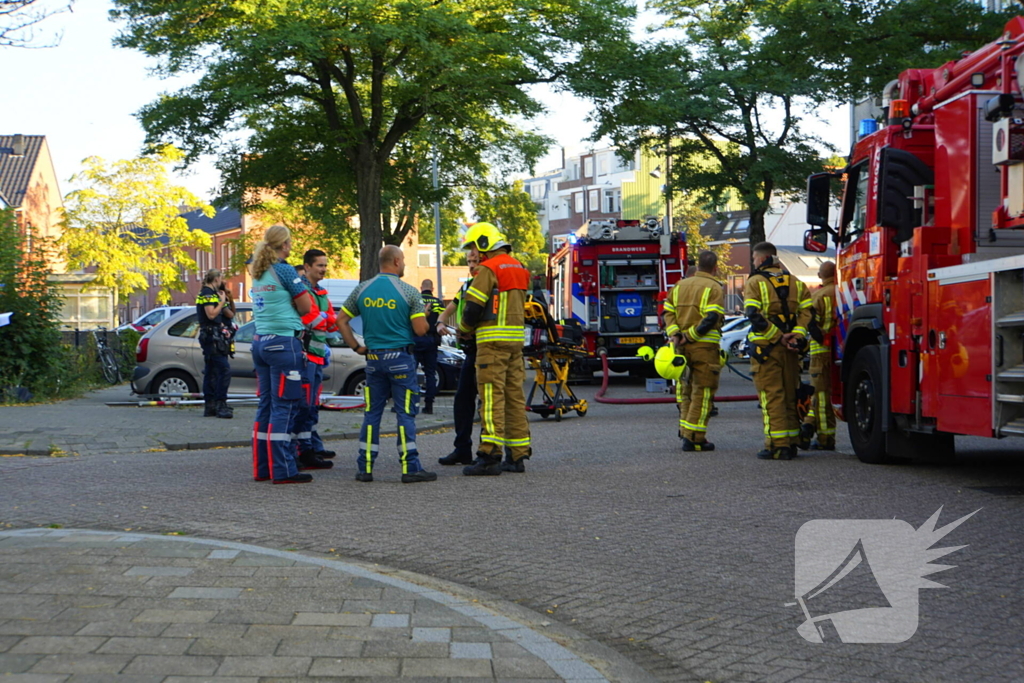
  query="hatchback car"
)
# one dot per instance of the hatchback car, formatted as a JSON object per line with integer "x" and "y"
{"x": 734, "y": 336}
{"x": 170, "y": 360}
{"x": 152, "y": 318}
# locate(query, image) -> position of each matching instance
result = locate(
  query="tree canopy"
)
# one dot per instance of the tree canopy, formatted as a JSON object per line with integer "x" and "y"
{"x": 127, "y": 223}
{"x": 512, "y": 209}
{"x": 724, "y": 86}
{"x": 20, "y": 18}
{"x": 320, "y": 95}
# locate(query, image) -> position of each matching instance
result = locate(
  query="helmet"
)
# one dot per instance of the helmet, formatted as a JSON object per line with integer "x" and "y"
{"x": 668, "y": 363}
{"x": 485, "y": 236}
{"x": 645, "y": 352}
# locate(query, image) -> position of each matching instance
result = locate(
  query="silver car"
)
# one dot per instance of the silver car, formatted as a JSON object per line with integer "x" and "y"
{"x": 170, "y": 360}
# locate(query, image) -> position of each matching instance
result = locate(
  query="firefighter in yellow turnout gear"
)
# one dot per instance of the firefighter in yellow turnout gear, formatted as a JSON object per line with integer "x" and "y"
{"x": 821, "y": 418}
{"x": 694, "y": 314}
{"x": 494, "y": 313}
{"x": 779, "y": 308}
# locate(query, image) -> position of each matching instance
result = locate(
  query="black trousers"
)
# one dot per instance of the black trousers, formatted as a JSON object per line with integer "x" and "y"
{"x": 465, "y": 403}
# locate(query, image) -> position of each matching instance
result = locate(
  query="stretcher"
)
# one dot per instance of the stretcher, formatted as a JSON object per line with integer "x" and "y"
{"x": 551, "y": 349}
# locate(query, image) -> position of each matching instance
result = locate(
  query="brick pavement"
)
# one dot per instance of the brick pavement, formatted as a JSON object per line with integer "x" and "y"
{"x": 83, "y": 605}
{"x": 683, "y": 563}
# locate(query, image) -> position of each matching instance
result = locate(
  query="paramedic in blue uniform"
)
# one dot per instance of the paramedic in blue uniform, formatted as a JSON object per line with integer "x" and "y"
{"x": 279, "y": 302}
{"x": 393, "y": 313}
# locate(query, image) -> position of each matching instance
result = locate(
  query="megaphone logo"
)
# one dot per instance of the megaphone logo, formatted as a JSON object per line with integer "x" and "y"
{"x": 857, "y": 580}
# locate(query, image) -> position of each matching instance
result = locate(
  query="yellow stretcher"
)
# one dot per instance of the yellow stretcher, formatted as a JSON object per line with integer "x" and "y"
{"x": 550, "y": 349}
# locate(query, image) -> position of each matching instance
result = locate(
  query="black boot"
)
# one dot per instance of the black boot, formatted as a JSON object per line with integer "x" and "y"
{"x": 309, "y": 460}
{"x": 428, "y": 407}
{"x": 326, "y": 454}
{"x": 512, "y": 465}
{"x": 211, "y": 409}
{"x": 224, "y": 411}
{"x": 483, "y": 466}
{"x": 806, "y": 432}
{"x": 781, "y": 453}
{"x": 456, "y": 458}
{"x": 697, "y": 446}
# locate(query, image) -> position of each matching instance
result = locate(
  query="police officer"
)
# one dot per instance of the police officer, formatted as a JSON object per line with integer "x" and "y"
{"x": 494, "y": 311}
{"x": 822, "y": 418}
{"x": 320, "y": 321}
{"x": 392, "y": 315}
{"x": 465, "y": 394}
{"x": 279, "y": 302}
{"x": 215, "y": 310}
{"x": 778, "y": 306}
{"x": 693, "y": 319}
{"x": 426, "y": 345}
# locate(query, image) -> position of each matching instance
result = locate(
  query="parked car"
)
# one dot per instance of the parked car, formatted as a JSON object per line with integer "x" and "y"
{"x": 734, "y": 336}
{"x": 170, "y": 361}
{"x": 449, "y": 366}
{"x": 152, "y": 318}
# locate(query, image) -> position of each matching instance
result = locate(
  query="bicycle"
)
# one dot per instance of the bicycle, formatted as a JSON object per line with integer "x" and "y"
{"x": 107, "y": 359}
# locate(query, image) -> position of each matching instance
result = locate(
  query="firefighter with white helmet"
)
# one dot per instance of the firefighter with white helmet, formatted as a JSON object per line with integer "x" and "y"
{"x": 693, "y": 320}
{"x": 494, "y": 313}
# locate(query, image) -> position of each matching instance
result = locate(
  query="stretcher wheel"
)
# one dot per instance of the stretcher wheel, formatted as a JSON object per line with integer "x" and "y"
{"x": 558, "y": 415}
{"x": 543, "y": 412}
{"x": 581, "y": 412}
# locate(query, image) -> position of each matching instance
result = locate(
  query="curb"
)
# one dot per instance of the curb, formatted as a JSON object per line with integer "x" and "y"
{"x": 25, "y": 451}
{"x": 550, "y": 642}
{"x": 207, "y": 445}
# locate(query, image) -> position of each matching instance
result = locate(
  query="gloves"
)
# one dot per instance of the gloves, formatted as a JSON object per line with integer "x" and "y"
{"x": 327, "y": 356}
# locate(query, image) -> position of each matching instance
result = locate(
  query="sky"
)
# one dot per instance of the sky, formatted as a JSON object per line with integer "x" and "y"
{"x": 82, "y": 95}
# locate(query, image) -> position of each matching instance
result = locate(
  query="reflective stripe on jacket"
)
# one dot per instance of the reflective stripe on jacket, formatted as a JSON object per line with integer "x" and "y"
{"x": 690, "y": 301}
{"x": 500, "y": 287}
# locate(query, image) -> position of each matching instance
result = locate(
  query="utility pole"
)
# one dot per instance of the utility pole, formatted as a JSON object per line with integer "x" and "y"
{"x": 437, "y": 231}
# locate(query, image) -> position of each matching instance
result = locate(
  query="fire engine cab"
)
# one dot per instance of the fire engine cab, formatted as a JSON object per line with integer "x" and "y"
{"x": 930, "y": 287}
{"x": 610, "y": 277}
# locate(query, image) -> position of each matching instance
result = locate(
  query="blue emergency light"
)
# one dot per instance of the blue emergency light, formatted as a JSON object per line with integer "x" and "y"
{"x": 867, "y": 127}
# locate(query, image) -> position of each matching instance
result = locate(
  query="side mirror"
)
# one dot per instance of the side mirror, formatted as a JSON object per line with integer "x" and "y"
{"x": 816, "y": 241}
{"x": 819, "y": 186}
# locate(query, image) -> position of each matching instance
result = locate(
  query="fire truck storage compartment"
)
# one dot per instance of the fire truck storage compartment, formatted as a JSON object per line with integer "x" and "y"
{"x": 1008, "y": 318}
{"x": 628, "y": 289}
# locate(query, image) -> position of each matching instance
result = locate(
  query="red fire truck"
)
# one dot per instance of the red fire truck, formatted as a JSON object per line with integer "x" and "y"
{"x": 930, "y": 241}
{"x": 608, "y": 277}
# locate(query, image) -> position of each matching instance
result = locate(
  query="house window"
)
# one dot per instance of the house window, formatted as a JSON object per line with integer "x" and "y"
{"x": 588, "y": 167}
{"x": 602, "y": 164}
{"x": 426, "y": 259}
{"x": 578, "y": 200}
{"x": 594, "y": 200}
{"x": 574, "y": 173}
{"x": 613, "y": 201}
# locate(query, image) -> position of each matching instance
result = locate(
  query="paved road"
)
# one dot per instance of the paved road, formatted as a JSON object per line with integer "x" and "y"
{"x": 684, "y": 563}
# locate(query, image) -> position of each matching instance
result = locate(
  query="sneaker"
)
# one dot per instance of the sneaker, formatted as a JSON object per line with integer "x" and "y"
{"x": 817, "y": 446}
{"x": 428, "y": 407}
{"x": 416, "y": 477}
{"x": 511, "y": 465}
{"x": 456, "y": 458}
{"x": 689, "y": 446}
{"x": 483, "y": 468}
{"x": 296, "y": 479}
{"x": 781, "y": 453}
{"x": 364, "y": 476}
{"x": 325, "y": 454}
{"x": 314, "y": 464}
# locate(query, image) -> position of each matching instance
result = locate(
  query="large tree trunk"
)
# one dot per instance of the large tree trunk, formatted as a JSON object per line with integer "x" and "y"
{"x": 368, "y": 180}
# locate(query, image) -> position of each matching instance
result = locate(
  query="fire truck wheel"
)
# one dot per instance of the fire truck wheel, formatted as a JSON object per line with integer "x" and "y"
{"x": 863, "y": 406}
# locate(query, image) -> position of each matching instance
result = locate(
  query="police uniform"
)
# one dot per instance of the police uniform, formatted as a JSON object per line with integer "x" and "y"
{"x": 426, "y": 348}
{"x": 822, "y": 418}
{"x": 694, "y": 308}
{"x": 215, "y": 340}
{"x": 320, "y": 320}
{"x": 499, "y": 288}
{"x": 464, "y": 403}
{"x": 388, "y": 307}
{"x": 776, "y": 369}
{"x": 280, "y": 365}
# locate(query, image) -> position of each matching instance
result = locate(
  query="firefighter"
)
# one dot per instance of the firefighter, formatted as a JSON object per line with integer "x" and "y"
{"x": 693, "y": 319}
{"x": 494, "y": 312}
{"x": 821, "y": 418}
{"x": 426, "y": 345}
{"x": 215, "y": 310}
{"x": 779, "y": 308}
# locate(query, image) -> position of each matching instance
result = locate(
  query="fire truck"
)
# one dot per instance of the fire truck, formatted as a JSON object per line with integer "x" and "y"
{"x": 610, "y": 277}
{"x": 930, "y": 242}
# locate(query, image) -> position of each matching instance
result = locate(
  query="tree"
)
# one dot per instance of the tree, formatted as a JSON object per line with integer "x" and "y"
{"x": 512, "y": 209}
{"x": 330, "y": 88}
{"x": 18, "y": 19}
{"x": 727, "y": 89}
{"x": 29, "y": 344}
{"x": 127, "y": 223}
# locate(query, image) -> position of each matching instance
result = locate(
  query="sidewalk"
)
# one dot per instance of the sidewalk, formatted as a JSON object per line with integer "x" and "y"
{"x": 107, "y": 606}
{"x": 87, "y": 425}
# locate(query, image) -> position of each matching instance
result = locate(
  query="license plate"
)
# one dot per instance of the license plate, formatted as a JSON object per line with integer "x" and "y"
{"x": 631, "y": 340}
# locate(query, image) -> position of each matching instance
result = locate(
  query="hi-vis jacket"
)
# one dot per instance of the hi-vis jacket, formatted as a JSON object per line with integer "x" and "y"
{"x": 499, "y": 286}
{"x": 690, "y": 302}
{"x": 762, "y": 292}
{"x": 824, "y": 303}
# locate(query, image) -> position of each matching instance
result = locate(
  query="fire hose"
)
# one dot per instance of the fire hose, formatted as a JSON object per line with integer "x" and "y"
{"x": 600, "y": 396}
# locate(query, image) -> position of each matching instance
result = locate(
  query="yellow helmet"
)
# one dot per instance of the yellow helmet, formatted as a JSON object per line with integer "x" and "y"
{"x": 668, "y": 363}
{"x": 485, "y": 236}
{"x": 645, "y": 352}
